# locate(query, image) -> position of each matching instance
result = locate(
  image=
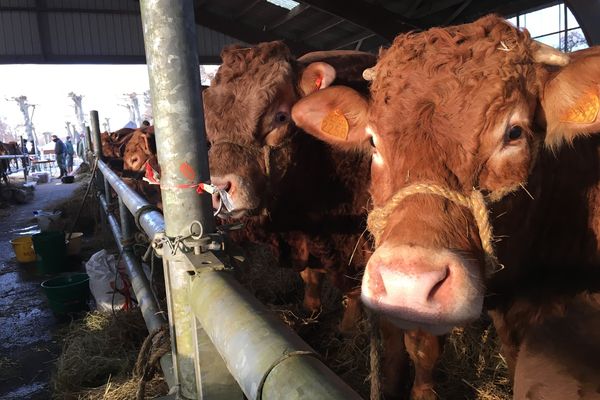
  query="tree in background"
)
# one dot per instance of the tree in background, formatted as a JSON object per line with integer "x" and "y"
{"x": 147, "y": 114}
{"x": 574, "y": 41}
{"x": 78, "y": 104}
{"x": 7, "y": 134}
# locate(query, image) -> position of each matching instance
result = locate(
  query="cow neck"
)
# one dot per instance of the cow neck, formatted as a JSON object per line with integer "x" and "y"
{"x": 378, "y": 217}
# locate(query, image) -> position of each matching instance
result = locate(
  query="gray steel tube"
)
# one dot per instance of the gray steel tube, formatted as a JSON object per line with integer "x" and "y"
{"x": 139, "y": 281}
{"x": 150, "y": 220}
{"x": 97, "y": 143}
{"x": 267, "y": 359}
{"x": 171, "y": 53}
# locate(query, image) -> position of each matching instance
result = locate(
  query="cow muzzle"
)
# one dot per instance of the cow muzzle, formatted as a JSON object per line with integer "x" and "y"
{"x": 231, "y": 197}
{"x": 424, "y": 288}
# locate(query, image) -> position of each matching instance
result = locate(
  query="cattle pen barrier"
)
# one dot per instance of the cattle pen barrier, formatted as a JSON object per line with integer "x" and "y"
{"x": 24, "y": 169}
{"x": 224, "y": 343}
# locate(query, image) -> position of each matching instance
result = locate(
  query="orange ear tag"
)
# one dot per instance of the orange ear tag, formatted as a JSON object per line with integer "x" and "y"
{"x": 335, "y": 124}
{"x": 585, "y": 111}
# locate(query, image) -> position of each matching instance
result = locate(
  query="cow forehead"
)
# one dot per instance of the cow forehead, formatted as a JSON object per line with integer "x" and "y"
{"x": 453, "y": 68}
{"x": 235, "y": 103}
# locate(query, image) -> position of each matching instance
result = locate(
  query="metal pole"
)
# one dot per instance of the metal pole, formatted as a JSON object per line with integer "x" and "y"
{"x": 88, "y": 142}
{"x": 268, "y": 360}
{"x": 171, "y": 52}
{"x": 97, "y": 142}
{"x": 103, "y": 185}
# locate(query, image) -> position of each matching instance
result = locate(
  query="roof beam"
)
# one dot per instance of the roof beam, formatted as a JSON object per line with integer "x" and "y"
{"x": 327, "y": 25}
{"x": 370, "y": 16}
{"x": 238, "y": 30}
{"x": 359, "y": 37}
{"x": 457, "y": 12}
{"x": 247, "y": 8}
{"x": 290, "y": 15}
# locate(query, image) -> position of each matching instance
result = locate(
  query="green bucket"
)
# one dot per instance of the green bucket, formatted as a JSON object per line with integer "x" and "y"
{"x": 68, "y": 293}
{"x": 51, "y": 252}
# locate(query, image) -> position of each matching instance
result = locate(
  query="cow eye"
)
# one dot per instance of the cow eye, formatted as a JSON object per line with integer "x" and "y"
{"x": 282, "y": 117}
{"x": 514, "y": 133}
{"x": 372, "y": 141}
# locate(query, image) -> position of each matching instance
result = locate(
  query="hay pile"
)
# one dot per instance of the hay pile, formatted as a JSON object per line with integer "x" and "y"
{"x": 98, "y": 356}
{"x": 470, "y": 368}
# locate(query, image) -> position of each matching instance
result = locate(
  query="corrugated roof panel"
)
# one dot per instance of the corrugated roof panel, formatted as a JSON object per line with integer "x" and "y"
{"x": 17, "y": 3}
{"x": 16, "y": 35}
{"x": 301, "y": 23}
{"x": 94, "y": 5}
{"x": 103, "y": 34}
{"x": 263, "y": 15}
{"x": 210, "y": 43}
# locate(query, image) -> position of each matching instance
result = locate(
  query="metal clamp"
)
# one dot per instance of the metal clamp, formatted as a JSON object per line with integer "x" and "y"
{"x": 138, "y": 213}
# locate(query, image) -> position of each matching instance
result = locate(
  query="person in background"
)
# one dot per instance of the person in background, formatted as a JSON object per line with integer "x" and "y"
{"x": 80, "y": 149}
{"x": 60, "y": 151}
{"x": 24, "y": 152}
{"x": 69, "y": 155}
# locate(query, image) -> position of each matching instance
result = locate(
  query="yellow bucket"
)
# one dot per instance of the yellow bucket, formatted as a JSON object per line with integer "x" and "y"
{"x": 23, "y": 248}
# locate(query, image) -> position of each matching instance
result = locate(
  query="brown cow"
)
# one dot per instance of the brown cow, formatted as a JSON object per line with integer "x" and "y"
{"x": 113, "y": 143}
{"x": 139, "y": 149}
{"x": 460, "y": 117}
{"x": 559, "y": 357}
{"x": 313, "y": 195}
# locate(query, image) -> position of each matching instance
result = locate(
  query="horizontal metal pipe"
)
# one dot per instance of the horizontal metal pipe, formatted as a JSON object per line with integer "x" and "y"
{"x": 12, "y": 157}
{"x": 141, "y": 287}
{"x": 150, "y": 219}
{"x": 139, "y": 281}
{"x": 267, "y": 359}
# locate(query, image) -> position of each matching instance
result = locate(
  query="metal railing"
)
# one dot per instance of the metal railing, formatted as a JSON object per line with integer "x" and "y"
{"x": 264, "y": 356}
{"x": 224, "y": 342}
{"x": 24, "y": 169}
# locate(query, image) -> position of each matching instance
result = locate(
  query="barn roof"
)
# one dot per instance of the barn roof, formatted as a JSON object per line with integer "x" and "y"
{"x": 109, "y": 31}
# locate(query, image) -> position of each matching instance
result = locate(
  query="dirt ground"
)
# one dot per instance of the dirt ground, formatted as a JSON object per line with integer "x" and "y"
{"x": 28, "y": 347}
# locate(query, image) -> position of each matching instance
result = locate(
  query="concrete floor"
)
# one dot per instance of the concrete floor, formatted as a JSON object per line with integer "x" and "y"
{"x": 27, "y": 327}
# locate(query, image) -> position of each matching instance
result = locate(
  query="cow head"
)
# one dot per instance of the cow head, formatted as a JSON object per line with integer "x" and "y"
{"x": 461, "y": 109}
{"x": 248, "y": 124}
{"x": 140, "y": 149}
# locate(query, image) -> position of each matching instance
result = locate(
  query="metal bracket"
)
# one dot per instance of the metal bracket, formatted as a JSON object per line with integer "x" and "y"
{"x": 206, "y": 261}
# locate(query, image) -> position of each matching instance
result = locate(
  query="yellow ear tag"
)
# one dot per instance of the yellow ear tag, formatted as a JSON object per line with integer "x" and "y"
{"x": 585, "y": 111}
{"x": 335, "y": 124}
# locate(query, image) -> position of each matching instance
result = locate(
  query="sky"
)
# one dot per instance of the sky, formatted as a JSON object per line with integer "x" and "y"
{"x": 47, "y": 86}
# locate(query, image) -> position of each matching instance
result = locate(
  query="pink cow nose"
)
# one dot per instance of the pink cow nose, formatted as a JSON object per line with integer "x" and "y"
{"x": 422, "y": 288}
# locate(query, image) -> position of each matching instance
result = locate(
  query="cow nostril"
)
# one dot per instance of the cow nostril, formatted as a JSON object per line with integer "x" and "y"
{"x": 227, "y": 186}
{"x": 436, "y": 287}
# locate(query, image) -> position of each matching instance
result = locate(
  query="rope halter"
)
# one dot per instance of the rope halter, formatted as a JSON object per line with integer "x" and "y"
{"x": 378, "y": 217}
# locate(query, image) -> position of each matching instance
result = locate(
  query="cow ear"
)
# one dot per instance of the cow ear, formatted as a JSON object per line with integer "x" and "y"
{"x": 315, "y": 76}
{"x": 571, "y": 100}
{"x": 337, "y": 115}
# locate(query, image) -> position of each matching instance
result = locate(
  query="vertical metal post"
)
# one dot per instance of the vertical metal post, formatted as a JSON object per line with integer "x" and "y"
{"x": 103, "y": 185}
{"x": 171, "y": 52}
{"x": 97, "y": 143}
{"x": 88, "y": 147}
